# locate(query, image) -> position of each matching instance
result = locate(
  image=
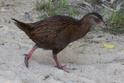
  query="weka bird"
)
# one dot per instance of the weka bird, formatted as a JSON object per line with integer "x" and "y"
{"x": 56, "y": 32}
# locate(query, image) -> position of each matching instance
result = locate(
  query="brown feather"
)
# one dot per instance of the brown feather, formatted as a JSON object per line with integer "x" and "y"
{"x": 56, "y": 32}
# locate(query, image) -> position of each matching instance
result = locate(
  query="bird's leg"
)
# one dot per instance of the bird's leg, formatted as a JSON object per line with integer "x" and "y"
{"x": 55, "y": 52}
{"x": 58, "y": 65}
{"x": 29, "y": 55}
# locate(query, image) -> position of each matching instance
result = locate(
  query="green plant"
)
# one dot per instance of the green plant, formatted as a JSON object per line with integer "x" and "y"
{"x": 54, "y": 7}
{"x": 117, "y": 22}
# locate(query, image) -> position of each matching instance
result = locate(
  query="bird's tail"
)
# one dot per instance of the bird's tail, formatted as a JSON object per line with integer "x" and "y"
{"x": 23, "y": 26}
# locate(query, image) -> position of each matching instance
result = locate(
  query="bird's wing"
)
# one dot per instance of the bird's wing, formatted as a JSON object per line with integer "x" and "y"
{"x": 47, "y": 30}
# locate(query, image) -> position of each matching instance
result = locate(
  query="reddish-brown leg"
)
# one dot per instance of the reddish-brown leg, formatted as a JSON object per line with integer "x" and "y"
{"x": 55, "y": 52}
{"x": 58, "y": 65}
{"x": 29, "y": 55}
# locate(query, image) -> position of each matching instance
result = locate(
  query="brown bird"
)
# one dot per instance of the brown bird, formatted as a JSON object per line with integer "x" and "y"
{"x": 56, "y": 32}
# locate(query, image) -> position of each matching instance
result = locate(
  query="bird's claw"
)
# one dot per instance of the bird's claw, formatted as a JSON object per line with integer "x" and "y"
{"x": 26, "y": 60}
{"x": 62, "y": 67}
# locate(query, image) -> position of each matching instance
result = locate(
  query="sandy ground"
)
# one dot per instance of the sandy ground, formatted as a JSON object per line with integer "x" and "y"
{"x": 87, "y": 60}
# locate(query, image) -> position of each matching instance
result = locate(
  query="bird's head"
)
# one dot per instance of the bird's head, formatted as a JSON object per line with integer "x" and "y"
{"x": 96, "y": 19}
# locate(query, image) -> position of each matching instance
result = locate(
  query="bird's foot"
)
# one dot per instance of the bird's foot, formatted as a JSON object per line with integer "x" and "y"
{"x": 62, "y": 67}
{"x": 26, "y": 60}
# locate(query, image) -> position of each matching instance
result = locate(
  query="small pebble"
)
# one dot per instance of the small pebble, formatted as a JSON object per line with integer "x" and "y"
{"x": 46, "y": 77}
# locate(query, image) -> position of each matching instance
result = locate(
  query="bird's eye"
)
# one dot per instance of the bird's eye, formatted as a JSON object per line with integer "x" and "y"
{"x": 97, "y": 20}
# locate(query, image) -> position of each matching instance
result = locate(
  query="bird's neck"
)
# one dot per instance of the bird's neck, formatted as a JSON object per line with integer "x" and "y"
{"x": 85, "y": 25}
